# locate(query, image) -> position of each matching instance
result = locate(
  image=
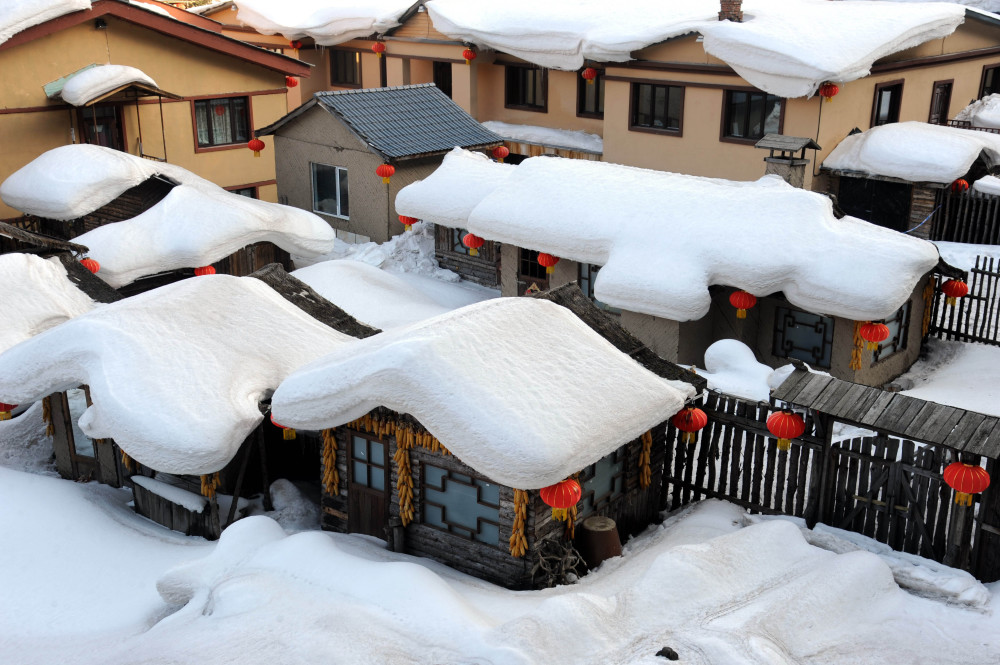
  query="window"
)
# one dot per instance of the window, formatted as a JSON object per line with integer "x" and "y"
{"x": 78, "y": 399}
{"x": 329, "y": 187}
{"x": 345, "y": 68}
{"x": 602, "y": 482}
{"x": 899, "y": 327}
{"x": 657, "y": 107}
{"x": 991, "y": 81}
{"x": 807, "y": 337}
{"x": 460, "y": 504}
{"x": 887, "y": 98}
{"x": 587, "y": 277}
{"x": 442, "y": 76}
{"x": 223, "y": 121}
{"x": 750, "y": 115}
{"x": 526, "y": 87}
{"x": 249, "y": 192}
{"x": 940, "y": 103}
{"x": 529, "y": 267}
{"x": 368, "y": 464}
{"x": 590, "y": 96}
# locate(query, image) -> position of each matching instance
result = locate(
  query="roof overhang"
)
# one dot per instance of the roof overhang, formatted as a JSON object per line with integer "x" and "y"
{"x": 132, "y": 91}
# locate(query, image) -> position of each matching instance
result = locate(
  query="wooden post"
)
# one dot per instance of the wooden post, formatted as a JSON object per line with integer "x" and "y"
{"x": 239, "y": 480}
{"x": 265, "y": 481}
{"x": 819, "y": 506}
{"x": 956, "y": 535}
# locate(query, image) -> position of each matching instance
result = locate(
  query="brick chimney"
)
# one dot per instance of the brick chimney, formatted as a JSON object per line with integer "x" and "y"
{"x": 731, "y": 10}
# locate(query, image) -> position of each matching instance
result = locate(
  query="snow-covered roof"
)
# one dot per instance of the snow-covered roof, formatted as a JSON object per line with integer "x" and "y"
{"x": 519, "y": 389}
{"x": 197, "y": 223}
{"x": 914, "y": 151}
{"x": 38, "y": 295}
{"x": 664, "y": 238}
{"x": 176, "y": 373}
{"x": 18, "y": 15}
{"x": 983, "y": 112}
{"x": 556, "y": 138}
{"x": 786, "y": 47}
{"x": 91, "y": 83}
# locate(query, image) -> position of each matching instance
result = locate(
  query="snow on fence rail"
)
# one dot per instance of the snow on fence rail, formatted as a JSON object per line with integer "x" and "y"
{"x": 975, "y": 317}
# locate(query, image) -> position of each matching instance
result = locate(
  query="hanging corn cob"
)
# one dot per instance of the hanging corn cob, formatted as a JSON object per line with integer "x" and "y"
{"x": 404, "y": 480}
{"x": 518, "y": 541}
{"x": 47, "y": 417}
{"x": 331, "y": 476}
{"x": 209, "y": 483}
{"x": 859, "y": 346}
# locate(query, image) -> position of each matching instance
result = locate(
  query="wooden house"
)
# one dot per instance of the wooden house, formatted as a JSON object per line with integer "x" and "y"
{"x": 329, "y": 149}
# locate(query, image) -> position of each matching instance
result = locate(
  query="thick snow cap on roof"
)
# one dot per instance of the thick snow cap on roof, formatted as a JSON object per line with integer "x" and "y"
{"x": 326, "y": 22}
{"x": 196, "y": 224}
{"x": 664, "y": 238}
{"x": 91, "y": 83}
{"x": 519, "y": 389}
{"x": 37, "y": 296}
{"x": 914, "y": 151}
{"x": 175, "y": 373}
{"x": 18, "y": 15}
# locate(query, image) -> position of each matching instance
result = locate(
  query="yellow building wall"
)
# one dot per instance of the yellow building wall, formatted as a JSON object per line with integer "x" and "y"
{"x": 176, "y": 66}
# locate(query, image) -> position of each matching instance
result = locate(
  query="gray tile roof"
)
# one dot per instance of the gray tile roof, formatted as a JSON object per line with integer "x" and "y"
{"x": 402, "y": 122}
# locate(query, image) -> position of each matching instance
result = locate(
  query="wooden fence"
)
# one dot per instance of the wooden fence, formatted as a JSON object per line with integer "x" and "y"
{"x": 969, "y": 217}
{"x": 976, "y": 317}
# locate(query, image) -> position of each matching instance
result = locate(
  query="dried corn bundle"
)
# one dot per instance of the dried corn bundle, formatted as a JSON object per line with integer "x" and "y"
{"x": 518, "y": 541}
{"x": 47, "y": 417}
{"x": 331, "y": 476}
{"x": 128, "y": 462}
{"x": 645, "y": 473}
{"x": 404, "y": 480}
{"x": 209, "y": 483}
{"x": 925, "y": 326}
{"x": 859, "y": 345}
{"x": 571, "y": 522}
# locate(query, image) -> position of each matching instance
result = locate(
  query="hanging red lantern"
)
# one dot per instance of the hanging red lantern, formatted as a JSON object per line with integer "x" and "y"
{"x": 407, "y": 222}
{"x": 385, "y": 172}
{"x": 5, "y": 410}
{"x": 91, "y": 265}
{"x": 966, "y": 480}
{"x": 287, "y": 433}
{"x": 785, "y": 426}
{"x": 562, "y": 496}
{"x": 295, "y": 44}
{"x": 689, "y": 420}
{"x": 473, "y": 242}
{"x": 500, "y": 152}
{"x": 742, "y": 301}
{"x": 589, "y": 74}
{"x": 256, "y": 145}
{"x": 204, "y": 270}
{"x": 829, "y": 90}
{"x": 378, "y": 48}
{"x": 954, "y": 289}
{"x": 220, "y": 110}
{"x": 874, "y": 334}
{"x": 959, "y": 186}
{"x": 469, "y": 55}
{"x": 291, "y": 82}
{"x": 548, "y": 262}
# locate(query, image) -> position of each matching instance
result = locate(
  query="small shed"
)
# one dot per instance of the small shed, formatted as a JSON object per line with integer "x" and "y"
{"x": 327, "y": 152}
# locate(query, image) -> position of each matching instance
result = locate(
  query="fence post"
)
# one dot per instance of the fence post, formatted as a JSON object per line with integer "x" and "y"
{"x": 819, "y": 503}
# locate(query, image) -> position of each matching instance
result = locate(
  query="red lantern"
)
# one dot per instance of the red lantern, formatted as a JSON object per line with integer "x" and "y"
{"x": 385, "y": 172}
{"x": 589, "y": 74}
{"x": 785, "y": 426}
{"x": 5, "y": 410}
{"x": 689, "y": 420}
{"x": 256, "y": 145}
{"x": 378, "y": 48}
{"x": 954, "y": 289}
{"x": 204, "y": 270}
{"x": 742, "y": 301}
{"x": 407, "y": 222}
{"x": 291, "y": 82}
{"x": 91, "y": 265}
{"x": 473, "y": 242}
{"x": 959, "y": 186}
{"x": 548, "y": 262}
{"x": 500, "y": 152}
{"x": 828, "y": 90}
{"x": 966, "y": 480}
{"x": 295, "y": 44}
{"x": 287, "y": 433}
{"x": 220, "y": 110}
{"x": 874, "y": 334}
{"x": 469, "y": 55}
{"x": 562, "y": 496}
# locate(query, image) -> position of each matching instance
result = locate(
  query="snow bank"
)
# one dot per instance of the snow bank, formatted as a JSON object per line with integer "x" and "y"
{"x": 556, "y": 138}
{"x": 18, "y": 15}
{"x": 959, "y": 374}
{"x": 519, "y": 389}
{"x": 327, "y": 23}
{"x": 989, "y": 184}
{"x": 914, "y": 151}
{"x": 91, "y": 83}
{"x": 175, "y": 373}
{"x": 758, "y": 236}
{"x": 38, "y": 295}
{"x": 732, "y": 368}
{"x": 983, "y": 112}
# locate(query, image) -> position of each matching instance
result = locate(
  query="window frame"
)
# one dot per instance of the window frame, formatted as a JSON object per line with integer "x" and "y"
{"x": 725, "y": 137}
{"x": 367, "y": 462}
{"x": 522, "y": 106}
{"x": 244, "y": 188}
{"x": 778, "y": 333}
{"x": 524, "y": 257}
{"x": 606, "y": 500}
{"x": 633, "y": 110}
{"x": 895, "y": 106}
{"x": 900, "y": 319}
{"x": 987, "y": 69}
{"x": 581, "y": 89}
{"x": 312, "y": 183}
{"x": 208, "y": 99}
{"x": 357, "y": 68}
{"x": 456, "y": 529}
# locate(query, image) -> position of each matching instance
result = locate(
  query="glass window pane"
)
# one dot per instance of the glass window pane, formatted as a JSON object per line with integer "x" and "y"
{"x": 433, "y": 476}
{"x": 360, "y": 450}
{"x": 434, "y": 516}
{"x": 808, "y": 337}
{"x": 325, "y": 193}
{"x": 488, "y": 533}
{"x": 344, "y": 199}
{"x": 674, "y": 109}
{"x": 488, "y": 492}
{"x": 772, "y": 119}
{"x": 736, "y": 113}
{"x": 201, "y": 122}
{"x": 239, "y": 117}
{"x": 462, "y": 514}
{"x": 376, "y": 478}
{"x": 756, "y": 116}
{"x": 378, "y": 453}
{"x": 77, "y": 399}
{"x": 659, "y": 106}
{"x": 361, "y": 473}
{"x": 643, "y": 105}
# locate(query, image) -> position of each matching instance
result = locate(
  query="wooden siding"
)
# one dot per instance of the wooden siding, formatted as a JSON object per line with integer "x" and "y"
{"x": 483, "y": 269}
{"x": 176, "y": 517}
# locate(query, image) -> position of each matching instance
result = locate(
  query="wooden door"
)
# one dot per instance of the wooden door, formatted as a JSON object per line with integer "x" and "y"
{"x": 102, "y": 125}
{"x": 368, "y": 488}
{"x": 940, "y": 103}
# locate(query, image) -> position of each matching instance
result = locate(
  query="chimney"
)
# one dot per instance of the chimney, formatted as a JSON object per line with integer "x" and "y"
{"x": 731, "y": 10}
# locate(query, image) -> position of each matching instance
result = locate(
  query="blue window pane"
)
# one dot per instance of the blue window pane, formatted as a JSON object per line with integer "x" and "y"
{"x": 360, "y": 450}
{"x": 378, "y": 453}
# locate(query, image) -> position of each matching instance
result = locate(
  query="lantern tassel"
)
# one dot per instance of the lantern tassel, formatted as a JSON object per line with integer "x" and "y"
{"x": 963, "y": 499}
{"x": 288, "y": 434}
{"x": 385, "y": 181}
{"x": 256, "y": 153}
{"x": 5, "y": 415}
{"x": 829, "y": 99}
{"x": 689, "y": 437}
{"x": 951, "y": 301}
{"x": 473, "y": 251}
{"x": 784, "y": 444}
{"x": 741, "y": 314}
{"x": 560, "y": 514}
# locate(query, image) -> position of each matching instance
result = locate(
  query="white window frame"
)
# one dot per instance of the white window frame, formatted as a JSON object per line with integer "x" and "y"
{"x": 338, "y": 169}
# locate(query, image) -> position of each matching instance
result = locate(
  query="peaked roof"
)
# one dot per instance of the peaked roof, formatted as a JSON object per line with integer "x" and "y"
{"x": 401, "y": 122}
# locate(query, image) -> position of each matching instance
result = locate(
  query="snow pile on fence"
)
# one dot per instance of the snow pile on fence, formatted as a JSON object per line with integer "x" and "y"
{"x": 176, "y": 373}
{"x": 732, "y": 368}
{"x": 519, "y": 389}
{"x": 18, "y": 15}
{"x": 91, "y": 83}
{"x": 664, "y": 238}
{"x": 556, "y": 138}
{"x": 914, "y": 151}
{"x": 196, "y": 224}
{"x": 37, "y": 295}
{"x": 326, "y": 22}
{"x": 989, "y": 184}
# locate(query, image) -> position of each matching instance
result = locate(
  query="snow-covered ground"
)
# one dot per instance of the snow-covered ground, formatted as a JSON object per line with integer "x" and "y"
{"x": 957, "y": 374}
